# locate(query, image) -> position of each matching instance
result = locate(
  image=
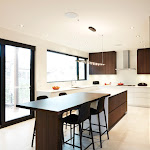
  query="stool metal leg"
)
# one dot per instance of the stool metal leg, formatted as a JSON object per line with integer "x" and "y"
{"x": 80, "y": 130}
{"x": 106, "y": 124}
{"x": 62, "y": 132}
{"x": 91, "y": 133}
{"x": 99, "y": 130}
{"x": 70, "y": 131}
{"x": 34, "y": 132}
{"x": 66, "y": 116}
{"x": 73, "y": 134}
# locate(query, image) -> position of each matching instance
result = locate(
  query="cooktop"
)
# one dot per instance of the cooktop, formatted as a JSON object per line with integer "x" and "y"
{"x": 126, "y": 85}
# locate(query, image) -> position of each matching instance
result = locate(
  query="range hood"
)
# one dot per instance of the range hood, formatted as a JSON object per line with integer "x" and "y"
{"x": 126, "y": 61}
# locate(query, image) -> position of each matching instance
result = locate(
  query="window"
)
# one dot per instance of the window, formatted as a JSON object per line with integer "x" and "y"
{"x": 64, "y": 67}
{"x": 17, "y": 81}
{"x": 81, "y": 70}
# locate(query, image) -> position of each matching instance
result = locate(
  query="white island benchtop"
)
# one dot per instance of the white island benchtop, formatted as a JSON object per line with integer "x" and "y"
{"x": 137, "y": 95}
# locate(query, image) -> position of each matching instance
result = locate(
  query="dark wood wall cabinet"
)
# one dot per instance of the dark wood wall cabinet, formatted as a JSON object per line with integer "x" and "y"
{"x": 109, "y": 59}
{"x": 143, "y": 61}
{"x": 117, "y": 108}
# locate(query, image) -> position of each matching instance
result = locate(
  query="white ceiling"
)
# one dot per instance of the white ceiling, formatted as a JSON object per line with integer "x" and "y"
{"x": 112, "y": 18}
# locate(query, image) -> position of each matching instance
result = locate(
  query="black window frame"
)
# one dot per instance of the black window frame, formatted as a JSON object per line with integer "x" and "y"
{"x": 85, "y": 66}
{"x": 4, "y": 42}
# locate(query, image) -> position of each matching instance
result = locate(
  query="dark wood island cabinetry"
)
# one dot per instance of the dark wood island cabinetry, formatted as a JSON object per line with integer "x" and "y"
{"x": 117, "y": 107}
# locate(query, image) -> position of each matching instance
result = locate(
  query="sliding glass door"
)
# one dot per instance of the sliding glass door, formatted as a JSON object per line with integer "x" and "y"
{"x": 17, "y": 81}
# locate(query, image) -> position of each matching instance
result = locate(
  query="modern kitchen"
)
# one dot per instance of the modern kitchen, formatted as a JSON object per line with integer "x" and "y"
{"x": 75, "y": 75}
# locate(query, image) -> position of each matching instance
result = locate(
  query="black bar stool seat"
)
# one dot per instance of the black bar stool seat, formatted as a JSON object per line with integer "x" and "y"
{"x": 71, "y": 119}
{"x": 93, "y": 111}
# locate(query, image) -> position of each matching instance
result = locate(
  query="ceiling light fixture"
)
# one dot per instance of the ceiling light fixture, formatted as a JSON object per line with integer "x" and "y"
{"x": 132, "y": 28}
{"x": 94, "y": 30}
{"x": 71, "y": 14}
{"x": 138, "y": 36}
{"x": 21, "y": 25}
{"x": 90, "y": 62}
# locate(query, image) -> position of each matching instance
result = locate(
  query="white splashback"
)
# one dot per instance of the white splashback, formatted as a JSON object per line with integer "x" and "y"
{"x": 125, "y": 76}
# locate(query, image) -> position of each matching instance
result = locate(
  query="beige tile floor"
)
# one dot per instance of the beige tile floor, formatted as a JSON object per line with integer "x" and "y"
{"x": 131, "y": 133}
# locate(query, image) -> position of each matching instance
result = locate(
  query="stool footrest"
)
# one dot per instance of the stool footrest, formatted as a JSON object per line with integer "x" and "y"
{"x": 66, "y": 142}
{"x": 98, "y": 125}
{"x": 95, "y": 131}
{"x": 83, "y": 136}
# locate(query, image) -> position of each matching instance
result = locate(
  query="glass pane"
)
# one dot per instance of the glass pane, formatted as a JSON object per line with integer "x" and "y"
{"x": 17, "y": 81}
{"x": 81, "y": 70}
{"x": 61, "y": 67}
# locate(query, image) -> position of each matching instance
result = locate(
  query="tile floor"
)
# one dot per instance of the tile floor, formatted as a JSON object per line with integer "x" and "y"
{"x": 131, "y": 133}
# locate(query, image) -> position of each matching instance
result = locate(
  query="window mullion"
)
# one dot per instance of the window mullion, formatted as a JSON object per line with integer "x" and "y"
{"x": 77, "y": 68}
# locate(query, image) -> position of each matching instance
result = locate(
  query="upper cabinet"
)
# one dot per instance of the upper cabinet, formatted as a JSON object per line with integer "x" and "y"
{"x": 109, "y": 59}
{"x": 143, "y": 61}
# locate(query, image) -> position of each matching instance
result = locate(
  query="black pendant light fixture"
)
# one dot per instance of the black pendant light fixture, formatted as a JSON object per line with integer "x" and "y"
{"x": 94, "y": 30}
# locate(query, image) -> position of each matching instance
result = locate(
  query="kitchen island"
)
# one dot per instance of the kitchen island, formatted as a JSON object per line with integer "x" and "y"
{"x": 138, "y": 96}
{"x": 49, "y": 113}
{"x": 115, "y": 105}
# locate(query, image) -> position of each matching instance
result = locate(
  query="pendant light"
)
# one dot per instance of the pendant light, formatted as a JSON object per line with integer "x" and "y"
{"x": 102, "y": 51}
{"x": 94, "y": 30}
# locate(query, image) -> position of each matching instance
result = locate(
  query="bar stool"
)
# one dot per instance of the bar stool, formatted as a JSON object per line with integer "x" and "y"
{"x": 34, "y": 131}
{"x": 61, "y": 94}
{"x": 100, "y": 108}
{"x": 73, "y": 119}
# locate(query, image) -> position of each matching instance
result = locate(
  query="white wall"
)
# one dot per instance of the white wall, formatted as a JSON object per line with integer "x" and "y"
{"x": 40, "y": 56}
{"x": 125, "y": 76}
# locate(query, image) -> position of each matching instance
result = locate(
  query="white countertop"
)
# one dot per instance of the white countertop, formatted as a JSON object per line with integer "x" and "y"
{"x": 109, "y": 91}
{"x": 70, "y": 88}
{"x": 118, "y": 86}
{"x": 88, "y": 86}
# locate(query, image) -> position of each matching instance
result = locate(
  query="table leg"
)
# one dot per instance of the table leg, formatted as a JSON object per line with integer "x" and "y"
{"x": 48, "y": 131}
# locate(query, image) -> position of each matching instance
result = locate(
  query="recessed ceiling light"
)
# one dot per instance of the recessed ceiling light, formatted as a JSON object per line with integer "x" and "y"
{"x": 71, "y": 14}
{"x": 21, "y": 25}
{"x": 118, "y": 45}
{"x": 138, "y": 36}
{"x": 131, "y": 27}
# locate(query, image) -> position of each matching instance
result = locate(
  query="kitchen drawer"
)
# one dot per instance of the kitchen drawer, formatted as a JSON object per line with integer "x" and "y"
{"x": 117, "y": 100}
{"x": 116, "y": 115}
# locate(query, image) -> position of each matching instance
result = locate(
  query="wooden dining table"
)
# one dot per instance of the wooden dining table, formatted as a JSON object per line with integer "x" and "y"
{"x": 49, "y": 116}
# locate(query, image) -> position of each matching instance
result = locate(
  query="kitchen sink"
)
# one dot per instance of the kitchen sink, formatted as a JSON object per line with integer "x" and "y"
{"x": 75, "y": 87}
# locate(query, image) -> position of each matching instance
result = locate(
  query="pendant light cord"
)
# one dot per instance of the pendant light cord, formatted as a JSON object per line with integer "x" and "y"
{"x": 102, "y": 48}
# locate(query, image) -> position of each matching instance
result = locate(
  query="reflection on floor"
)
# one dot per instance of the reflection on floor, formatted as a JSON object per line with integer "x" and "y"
{"x": 131, "y": 133}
